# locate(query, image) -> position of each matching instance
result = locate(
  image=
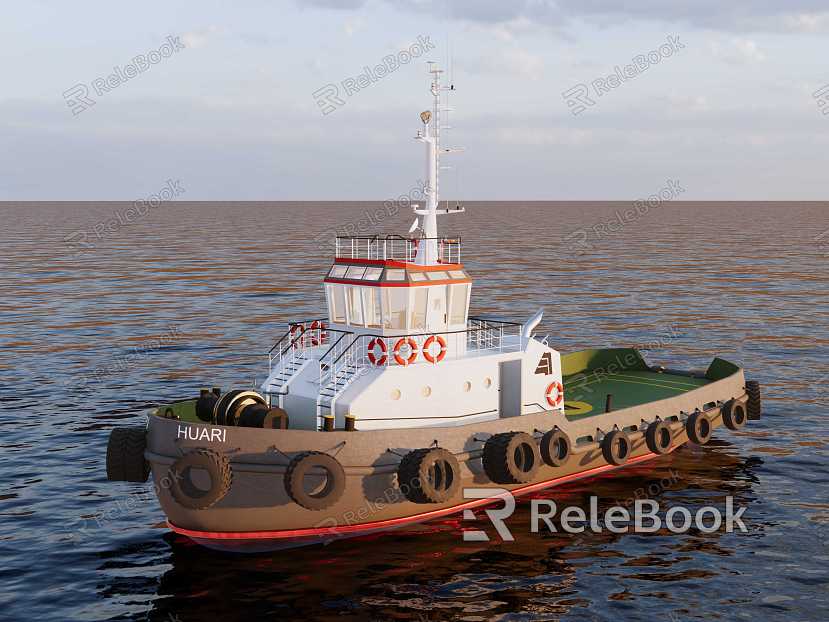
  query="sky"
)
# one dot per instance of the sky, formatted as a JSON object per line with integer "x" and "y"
{"x": 718, "y": 96}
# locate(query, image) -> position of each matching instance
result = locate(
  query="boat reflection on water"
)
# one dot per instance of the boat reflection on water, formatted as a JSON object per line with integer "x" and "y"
{"x": 429, "y": 572}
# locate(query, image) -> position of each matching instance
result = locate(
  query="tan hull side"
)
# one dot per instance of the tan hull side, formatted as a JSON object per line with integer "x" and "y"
{"x": 258, "y": 501}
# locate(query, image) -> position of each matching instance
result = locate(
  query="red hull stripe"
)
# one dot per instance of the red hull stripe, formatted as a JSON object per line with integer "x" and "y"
{"x": 394, "y": 522}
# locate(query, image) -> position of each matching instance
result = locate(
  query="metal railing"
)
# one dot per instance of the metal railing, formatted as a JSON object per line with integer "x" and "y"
{"x": 395, "y": 248}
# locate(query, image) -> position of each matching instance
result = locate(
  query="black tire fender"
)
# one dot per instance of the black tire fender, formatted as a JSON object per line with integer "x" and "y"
{"x": 511, "y": 458}
{"x": 616, "y": 447}
{"x": 555, "y": 447}
{"x": 699, "y": 428}
{"x": 183, "y": 488}
{"x": 430, "y": 475}
{"x": 125, "y": 455}
{"x": 734, "y": 414}
{"x": 658, "y": 437}
{"x": 755, "y": 403}
{"x": 310, "y": 463}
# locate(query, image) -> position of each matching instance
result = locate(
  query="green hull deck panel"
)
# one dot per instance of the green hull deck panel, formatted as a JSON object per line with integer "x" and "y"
{"x": 585, "y": 394}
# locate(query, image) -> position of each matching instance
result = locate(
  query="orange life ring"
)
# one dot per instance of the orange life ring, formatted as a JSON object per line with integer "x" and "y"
{"x": 427, "y": 354}
{"x": 555, "y": 394}
{"x": 320, "y": 336}
{"x": 297, "y": 339}
{"x": 375, "y": 360}
{"x": 412, "y": 346}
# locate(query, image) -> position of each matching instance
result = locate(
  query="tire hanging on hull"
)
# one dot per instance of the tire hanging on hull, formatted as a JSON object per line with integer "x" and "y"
{"x": 429, "y": 475}
{"x": 658, "y": 437}
{"x": 187, "y": 492}
{"x": 327, "y": 478}
{"x": 125, "y": 455}
{"x": 754, "y": 406}
{"x": 616, "y": 447}
{"x": 555, "y": 447}
{"x": 734, "y": 415}
{"x": 511, "y": 458}
{"x": 699, "y": 429}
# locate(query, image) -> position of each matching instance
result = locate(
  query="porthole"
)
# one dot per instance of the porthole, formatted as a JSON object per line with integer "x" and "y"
{"x": 487, "y": 382}
{"x": 467, "y": 386}
{"x": 426, "y": 391}
{"x": 395, "y": 395}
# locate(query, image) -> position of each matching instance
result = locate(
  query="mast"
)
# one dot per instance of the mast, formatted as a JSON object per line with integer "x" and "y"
{"x": 428, "y": 251}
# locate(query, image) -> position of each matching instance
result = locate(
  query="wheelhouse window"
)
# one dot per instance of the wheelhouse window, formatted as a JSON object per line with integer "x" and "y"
{"x": 373, "y": 274}
{"x": 336, "y": 303}
{"x": 395, "y": 302}
{"x": 459, "y": 302}
{"x": 436, "y": 314}
{"x": 371, "y": 307}
{"x": 355, "y": 272}
{"x": 418, "y": 308}
{"x": 355, "y": 306}
{"x": 338, "y": 272}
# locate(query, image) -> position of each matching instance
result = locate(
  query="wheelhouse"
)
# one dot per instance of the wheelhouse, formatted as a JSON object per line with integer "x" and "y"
{"x": 388, "y": 296}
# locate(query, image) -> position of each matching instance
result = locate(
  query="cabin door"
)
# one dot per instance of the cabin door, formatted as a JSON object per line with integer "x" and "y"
{"x": 509, "y": 397}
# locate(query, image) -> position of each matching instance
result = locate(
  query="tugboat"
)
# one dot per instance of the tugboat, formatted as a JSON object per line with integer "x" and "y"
{"x": 379, "y": 414}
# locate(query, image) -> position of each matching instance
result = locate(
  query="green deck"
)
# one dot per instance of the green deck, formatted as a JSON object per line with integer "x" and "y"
{"x": 585, "y": 393}
{"x": 591, "y": 375}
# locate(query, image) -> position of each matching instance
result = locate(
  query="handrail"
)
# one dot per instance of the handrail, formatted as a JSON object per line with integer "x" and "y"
{"x": 494, "y": 321}
{"x": 395, "y": 236}
{"x": 333, "y": 345}
{"x": 394, "y": 247}
{"x": 447, "y": 332}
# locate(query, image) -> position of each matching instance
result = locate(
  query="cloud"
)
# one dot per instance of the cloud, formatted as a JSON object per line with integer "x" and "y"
{"x": 517, "y": 61}
{"x": 809, "y": 16}
{"x": 199, "y": 38}
{"x": 351, "y": 26}
{"x": 343, "y": 5}
{"x": 737, "y": 51}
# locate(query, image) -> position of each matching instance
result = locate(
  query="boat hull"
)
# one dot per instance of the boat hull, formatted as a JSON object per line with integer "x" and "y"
{"x": 259, "y": 514}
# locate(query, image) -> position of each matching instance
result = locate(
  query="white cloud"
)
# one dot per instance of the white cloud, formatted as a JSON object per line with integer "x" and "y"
{"x": 808, "y": 22}
{"x": 733, "y": 16}
{"x": 199, "y": 38}
{"x": 519, "y": 61}
{"x": 352, "y": 25}
{"x": 737, "y": 51}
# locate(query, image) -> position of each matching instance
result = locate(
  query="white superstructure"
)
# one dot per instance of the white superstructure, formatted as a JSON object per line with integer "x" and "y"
{"x": 398, "y": 348}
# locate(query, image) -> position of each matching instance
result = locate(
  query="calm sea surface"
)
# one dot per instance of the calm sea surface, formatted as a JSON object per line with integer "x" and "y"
{"x": 101, "y": 321}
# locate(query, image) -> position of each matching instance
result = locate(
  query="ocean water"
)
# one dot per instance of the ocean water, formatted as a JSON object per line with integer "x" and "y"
{"x": 105, "y": 313}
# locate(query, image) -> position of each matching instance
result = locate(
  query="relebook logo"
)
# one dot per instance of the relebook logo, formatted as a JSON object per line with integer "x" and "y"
{"x": 646, "y": 517}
